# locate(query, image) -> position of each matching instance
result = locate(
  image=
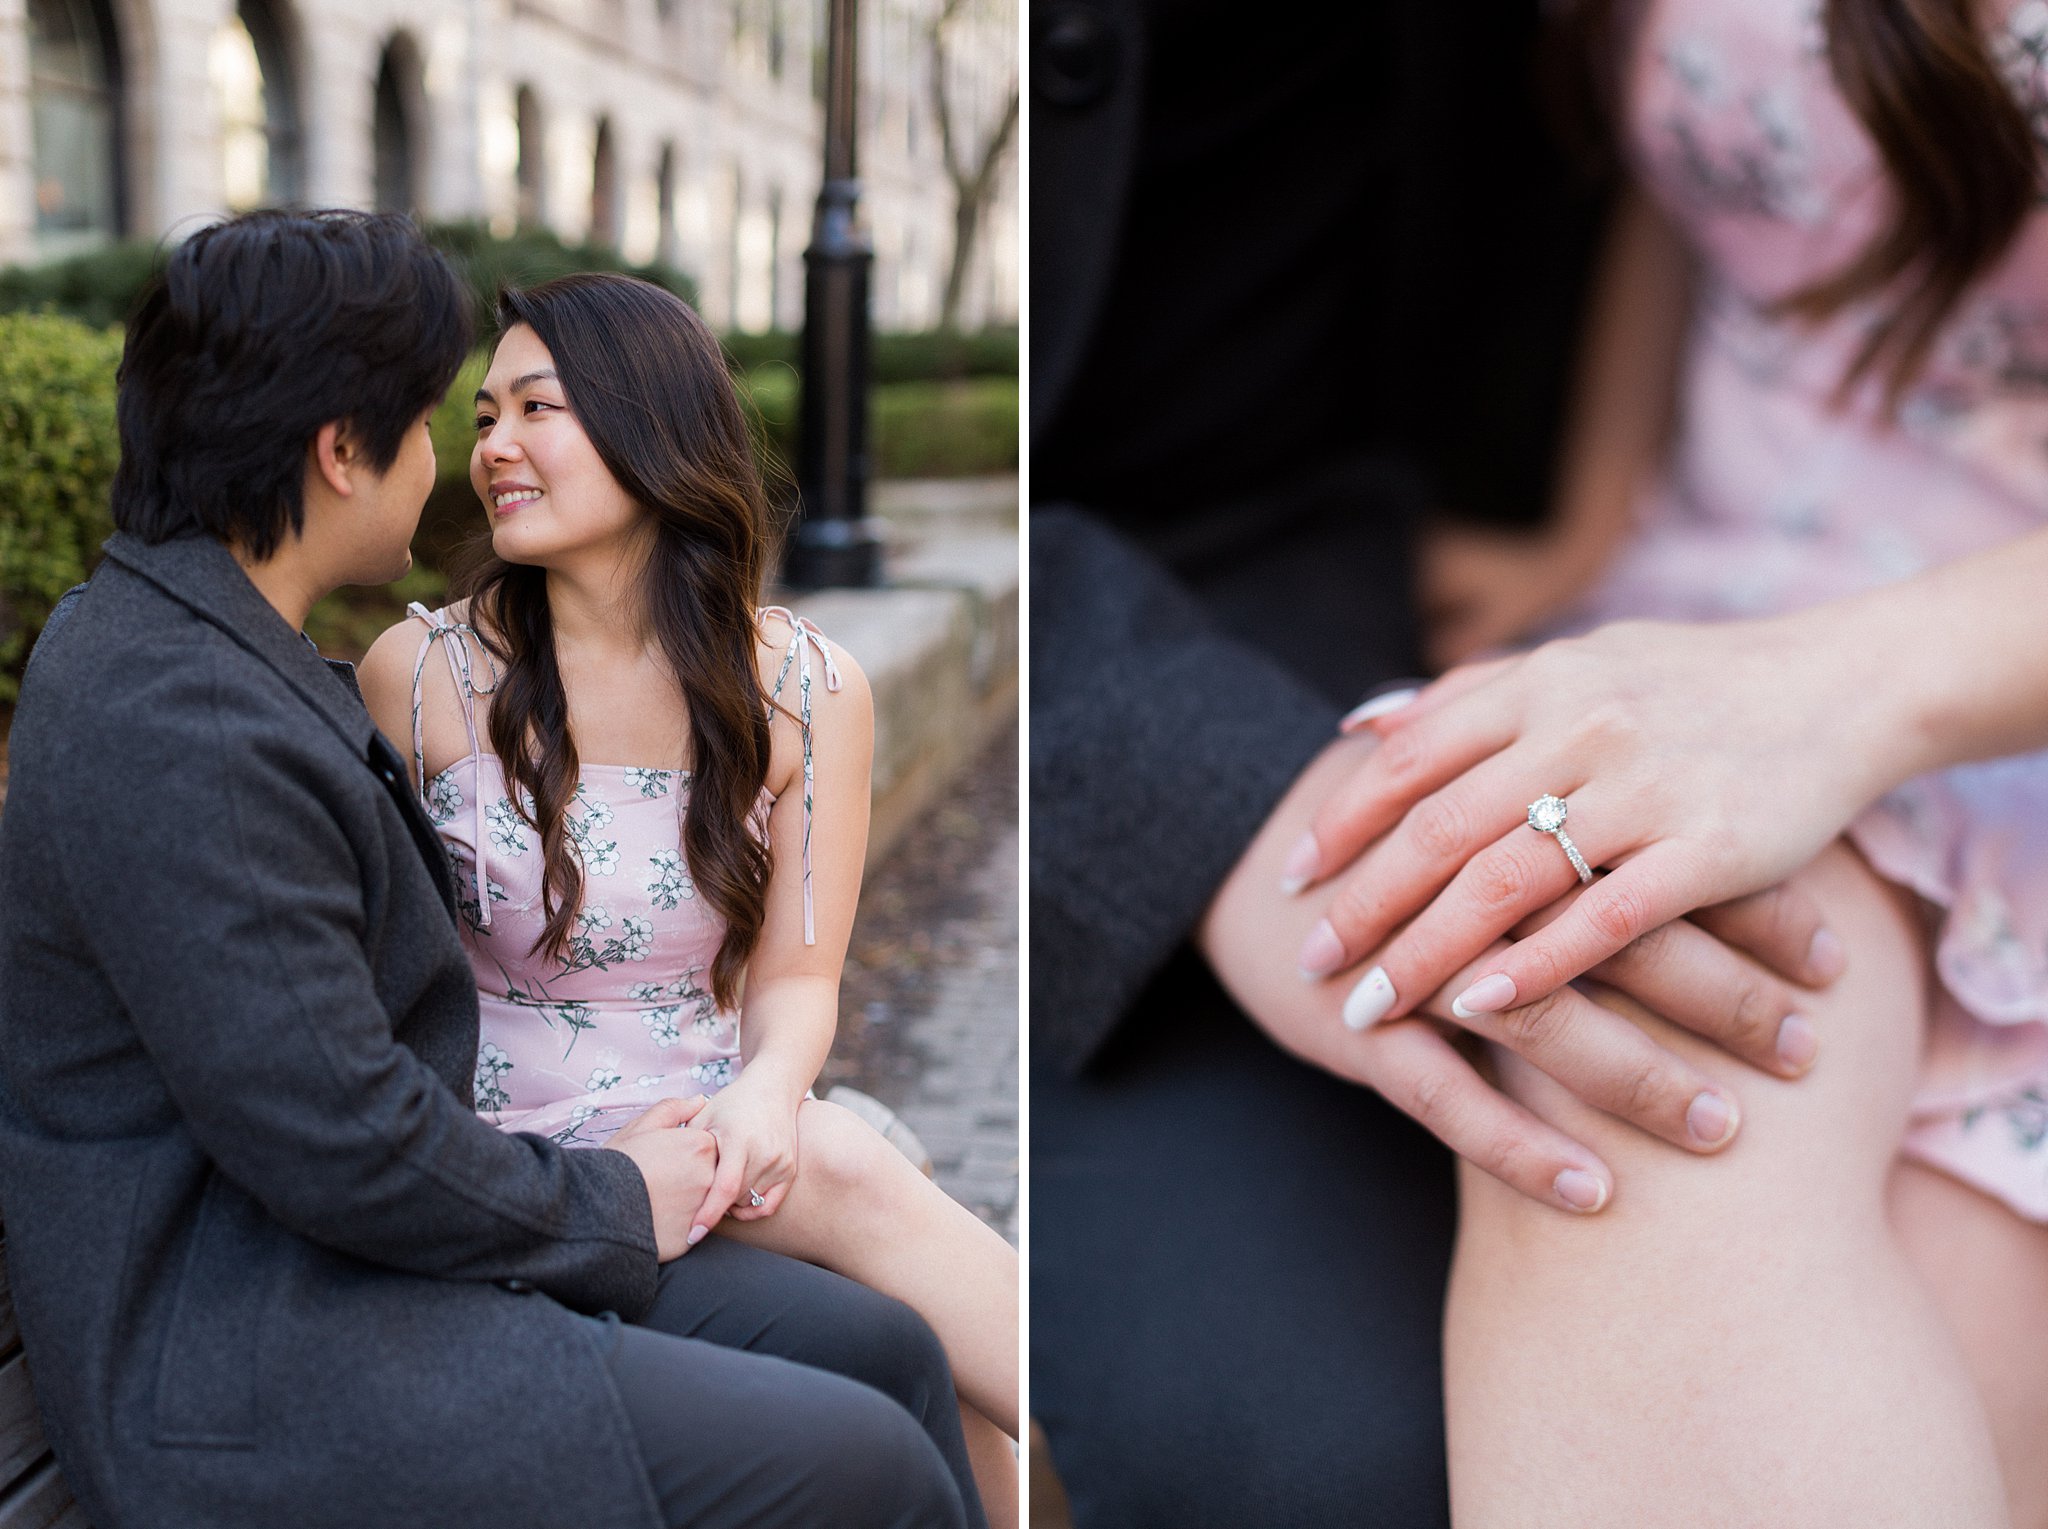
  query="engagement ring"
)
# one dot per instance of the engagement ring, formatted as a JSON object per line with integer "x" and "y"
{"x": 1546, "y": 816}
{"x": 756, "y": 1199}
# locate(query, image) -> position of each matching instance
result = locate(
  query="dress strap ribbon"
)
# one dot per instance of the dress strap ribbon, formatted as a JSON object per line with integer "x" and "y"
{"x": 802, "y": 639}
{"x": 456, "y": 637}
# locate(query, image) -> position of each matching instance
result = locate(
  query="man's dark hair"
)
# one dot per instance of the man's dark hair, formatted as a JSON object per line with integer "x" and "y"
{"x": 260, "y": 330}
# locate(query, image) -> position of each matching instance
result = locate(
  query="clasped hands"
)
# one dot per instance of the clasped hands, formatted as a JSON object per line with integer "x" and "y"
{"x": 701, "y": 1157}
{"x": 1396, "y": 900}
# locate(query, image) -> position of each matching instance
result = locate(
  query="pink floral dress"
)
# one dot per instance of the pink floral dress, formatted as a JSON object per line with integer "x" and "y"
{"x": 1773, "y": 498}
{"x": 574, "y": 1047}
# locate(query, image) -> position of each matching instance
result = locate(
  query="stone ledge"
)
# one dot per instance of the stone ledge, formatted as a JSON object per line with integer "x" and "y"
{"x": 939, "y": 647}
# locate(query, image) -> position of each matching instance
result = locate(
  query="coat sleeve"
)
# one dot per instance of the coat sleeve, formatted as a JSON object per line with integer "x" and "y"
{"x": 1159, "y": 744}
{"x": 226, "y": 904}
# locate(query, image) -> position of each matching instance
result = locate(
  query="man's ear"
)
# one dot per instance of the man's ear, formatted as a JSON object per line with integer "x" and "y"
{"x": 334, "y": 457}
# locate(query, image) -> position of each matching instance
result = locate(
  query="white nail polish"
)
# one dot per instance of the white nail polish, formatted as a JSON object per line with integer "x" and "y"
{"x": 1369, "y": 1001}
{"x": 1378, "y": 706}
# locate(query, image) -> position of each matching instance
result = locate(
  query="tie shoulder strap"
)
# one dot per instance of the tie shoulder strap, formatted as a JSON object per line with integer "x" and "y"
{"x": 803, "y": 639}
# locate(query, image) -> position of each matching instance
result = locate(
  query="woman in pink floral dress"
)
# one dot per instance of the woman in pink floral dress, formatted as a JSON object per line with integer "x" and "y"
{"x": 1812, "y": 422}
{"x": 654, "y": 799}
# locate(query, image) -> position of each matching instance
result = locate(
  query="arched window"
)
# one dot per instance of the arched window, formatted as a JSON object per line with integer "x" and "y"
{"x": 532, "y": 178}
{"x": 604, "y": 188}
{"x": 399, "y": 126}
{"x": 74, "y": 71}
{"x": 255, "y": 90}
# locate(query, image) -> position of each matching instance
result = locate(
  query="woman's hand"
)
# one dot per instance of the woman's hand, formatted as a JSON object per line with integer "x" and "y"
{"x": 678, "y": 1166}
{"x": 1699, "y": 763}
{"x": 1723, "y": 984}
{"x": 1481, "y": 589}
{"x": 754, "y": 1123}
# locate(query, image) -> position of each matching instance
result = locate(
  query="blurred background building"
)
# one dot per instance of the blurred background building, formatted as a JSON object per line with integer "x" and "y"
{"x": 680, "y": 131}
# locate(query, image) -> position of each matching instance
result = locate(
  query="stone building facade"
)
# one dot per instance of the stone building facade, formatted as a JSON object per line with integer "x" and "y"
{"x": 684, "y": 129}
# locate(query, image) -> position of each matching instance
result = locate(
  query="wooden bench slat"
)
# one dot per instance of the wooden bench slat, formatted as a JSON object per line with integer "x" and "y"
{"x": 21, "y": 1429}
{"x": 42, "y": 1502}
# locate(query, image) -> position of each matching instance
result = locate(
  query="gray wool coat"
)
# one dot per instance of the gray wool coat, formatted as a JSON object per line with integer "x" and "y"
{"x": 270, "y": 1267}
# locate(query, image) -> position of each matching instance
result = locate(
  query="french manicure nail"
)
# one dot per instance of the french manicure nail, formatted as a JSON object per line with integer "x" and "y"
{"x": 1489, "y": 995}
{"x": 1300, "y": 866}
{"x": 698, "y": 1234}
{"x": 1825, "y": 957}
{"x": 1581, "y": 1190}
{"x": 1378, "y": 706}
{"x": 1321, "y": 953}
{"x": 1710, "y": 1119}
{"x": 1370, "y": 1000}
{"x": 1797, "y": 1044}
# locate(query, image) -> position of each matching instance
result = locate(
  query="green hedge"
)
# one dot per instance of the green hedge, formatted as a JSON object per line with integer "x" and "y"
{"x": 58, "y": 446}
{"x": 921, "y": 429}
{"x": 101, "y": 287}
{"x": 931, "y": 356}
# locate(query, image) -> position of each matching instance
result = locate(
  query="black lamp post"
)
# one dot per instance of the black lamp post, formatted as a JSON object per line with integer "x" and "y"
{"x": 835, "y": 544}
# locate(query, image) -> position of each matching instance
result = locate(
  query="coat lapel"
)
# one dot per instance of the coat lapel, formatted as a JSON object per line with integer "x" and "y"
{"x": 202, "y": 575}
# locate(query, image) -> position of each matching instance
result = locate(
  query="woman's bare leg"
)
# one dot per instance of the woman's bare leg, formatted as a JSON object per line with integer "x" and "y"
{"x": 1988, "y": 1270}
{"x": 859, "y": 1208}
{"x": 1734, "y": 1340}
{"x": 993, "y": 1456}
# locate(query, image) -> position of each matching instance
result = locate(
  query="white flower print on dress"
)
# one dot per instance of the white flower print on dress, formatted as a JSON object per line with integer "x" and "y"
{"x": 572, "y": 1133}
{"x": 661, "y": 1025}
{"x": 508, "y": 833}
{"x": 649, "y": 783}
{"x": 602, "y": 1078}
{"x": 649, "y": 1079}
{"x": 645, "y": 992}
{"x": 671, "y": 884}
{"x": 600, "y": 857}
{"x": 594, "y": 919}
{"x": 444, "y": 798}
{"x": 715, "y": 1073}
{"x": 638, "y": 937}
{"x": 491, "y": 1067}
{"x": 597, "y": 812}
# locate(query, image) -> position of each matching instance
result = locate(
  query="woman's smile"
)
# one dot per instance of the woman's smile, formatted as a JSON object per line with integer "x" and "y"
{"x": 508, "y": 497}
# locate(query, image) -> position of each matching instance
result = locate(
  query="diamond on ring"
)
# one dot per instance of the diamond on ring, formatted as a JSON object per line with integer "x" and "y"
{"x": 756, "y": 1199}
{"x": 1546, "y": 815}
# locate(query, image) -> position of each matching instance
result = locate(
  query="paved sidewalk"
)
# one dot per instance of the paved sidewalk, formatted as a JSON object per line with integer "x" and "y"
{"x": 929, "y": 1004}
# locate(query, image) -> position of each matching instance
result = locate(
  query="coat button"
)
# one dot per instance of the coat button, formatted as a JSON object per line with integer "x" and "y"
{"x": 516, "y": 1286}
{"x": 1074, "y": 55}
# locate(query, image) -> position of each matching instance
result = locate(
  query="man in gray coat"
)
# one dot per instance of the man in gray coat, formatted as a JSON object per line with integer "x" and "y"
{"x": 269, "y": 1265}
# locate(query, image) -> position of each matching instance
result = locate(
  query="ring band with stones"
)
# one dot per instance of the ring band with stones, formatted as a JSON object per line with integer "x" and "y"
{"x": 1546, "y": 816}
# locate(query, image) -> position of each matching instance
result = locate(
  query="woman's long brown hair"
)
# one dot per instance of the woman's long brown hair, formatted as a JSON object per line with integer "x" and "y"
{"x": 648, "y": 383}
{"x": 1961, "y": 157}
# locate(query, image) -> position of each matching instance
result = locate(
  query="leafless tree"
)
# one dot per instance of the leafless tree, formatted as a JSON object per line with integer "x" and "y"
{"x": 971, "y": 169}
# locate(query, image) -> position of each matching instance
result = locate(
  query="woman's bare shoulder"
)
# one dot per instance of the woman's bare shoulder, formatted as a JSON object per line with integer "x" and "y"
{"x": 771, "y": 650}
{"x": 387, "y": 678}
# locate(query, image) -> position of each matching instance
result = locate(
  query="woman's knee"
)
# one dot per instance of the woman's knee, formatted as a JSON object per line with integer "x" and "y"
{"x": 845, "y": 1159}
{"x": 1829, "y": 1135}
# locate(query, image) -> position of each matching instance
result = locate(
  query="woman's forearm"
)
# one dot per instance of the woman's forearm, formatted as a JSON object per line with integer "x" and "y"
{"x": 1953, "y": 663}
{"x": 786, "y": 1030}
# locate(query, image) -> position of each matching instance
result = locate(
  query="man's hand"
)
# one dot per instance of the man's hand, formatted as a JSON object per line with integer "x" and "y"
{"x": 1252, "y": 930}
{"x": 678, "y": 1165}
